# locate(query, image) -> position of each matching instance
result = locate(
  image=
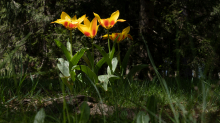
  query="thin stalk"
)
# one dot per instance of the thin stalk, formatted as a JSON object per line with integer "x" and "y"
{"x": 119, "y": 52}
{"x": 108, "y": 42}
{"x": 92, "y": 52}
{"x": 71, "y": 42}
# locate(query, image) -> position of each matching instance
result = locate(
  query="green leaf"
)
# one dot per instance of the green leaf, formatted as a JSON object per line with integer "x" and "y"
{"x": 75, "y": 59}
{"x": 99, "y": 65}
{"x": 87, "y": 60}
{"x": 85, "y": 112}
{"x": 111, "y": 54}
{"x": 66, "y": 81}
{"x": 142, "y": 117}
{"x": 87, "y": 71}
{"x": 125, "y": 60}
{"x": 63, "y": 66}
{"x": 68, "y": 45}
{"x": 64, "y": 49}
{"x": 40, "y": 116}
{"x": 91, "y": 59}
{"x": 105, "y": 55}
{"x": 73, "y": 75}
{"x": 104, "y": 79}
{"x": 134, "y": 70}
{"x": 114, "y": 65}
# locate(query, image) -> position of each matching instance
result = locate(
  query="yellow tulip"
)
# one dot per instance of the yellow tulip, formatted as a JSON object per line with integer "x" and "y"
{"x": 89, "y": 29}
{"x": 109, "y": 22}
{"x": 121, "y": 37}
{"x": 69, "y": 23}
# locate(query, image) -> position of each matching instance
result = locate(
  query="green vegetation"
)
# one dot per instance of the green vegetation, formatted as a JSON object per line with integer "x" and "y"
{"x": 142, "y": 73}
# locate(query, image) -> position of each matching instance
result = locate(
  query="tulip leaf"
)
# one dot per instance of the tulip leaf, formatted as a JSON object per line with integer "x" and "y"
{"x": 134, "y": 70}
{"x": 68, "y": 83}
{"x": 114, "y": 66}
{"x": 87, "y": 71}
{"x": 64, "y": 49}
{"x": 105, "y": 55}
{"x": 40, "y": 116}
{"x": 91, "y": 59}
{"x": 99, "y": 65}
{"x": 125, "y": 60}
{"x": 142, "y": 117}
{"x": 85, "y": 112}
{"x": 112, "y": 51}
{"x": 68, "y": 45}
{"x": 63, "y": 66}
{"x": 104, "y": 79}
{"x": 87, "y": 60}
{"x": 73, "y": 75}
{"x": 77, "y": 56}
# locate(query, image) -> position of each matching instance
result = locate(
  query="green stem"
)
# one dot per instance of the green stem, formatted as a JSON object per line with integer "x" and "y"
{"x": 92, "y": 50}
{"x": 71, "y": 42}
{"x": 108, "y": 42}
{"x": 119, "y": 55}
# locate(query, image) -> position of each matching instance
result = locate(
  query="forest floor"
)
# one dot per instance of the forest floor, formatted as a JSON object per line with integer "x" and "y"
{"x": 186, "y": 101}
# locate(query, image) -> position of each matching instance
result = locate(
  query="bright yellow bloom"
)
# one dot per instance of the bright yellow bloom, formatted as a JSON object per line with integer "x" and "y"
{"x": 109, "y": 22}
{"x": 89, "y": 29}
{"x": 121, "y": 37}
{"x": 68, "y": 22}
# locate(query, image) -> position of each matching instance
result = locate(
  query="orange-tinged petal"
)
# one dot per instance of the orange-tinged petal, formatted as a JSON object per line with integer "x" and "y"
{"x": 74, "y": 18}
{"x": 97, "y": 17}
{"x": 93, "y": 26}
{"x": 80, "y": 20}
{"x": 121, "y": 20}
{"x": 106, "y": 23}
{"x": 97, "y": 27}
{"x": 114, "y": 16}
{"x": 83, "y": 28}
{"x": 126, "y": 30}
{"x": 88, "y": 34}
{"x": 65, "y": 16}
{"x": 115, "y": 35}
{"x": 129, "y": 36}
{"x": 105, "y": 36}
{"x": 86, "y": 22}
{"x": 60, "y": 21}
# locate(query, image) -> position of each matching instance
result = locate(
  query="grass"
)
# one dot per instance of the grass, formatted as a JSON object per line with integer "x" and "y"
{"x": 198, "y": 102}
{"x": 172, "y": 100}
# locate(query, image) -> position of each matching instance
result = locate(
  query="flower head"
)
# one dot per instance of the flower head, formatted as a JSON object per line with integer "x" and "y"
{"x": 89, "y": 29}
{"x": 121, "y": 36}
{"x": 109, "y": 22}
{"x": 69, "y": 23}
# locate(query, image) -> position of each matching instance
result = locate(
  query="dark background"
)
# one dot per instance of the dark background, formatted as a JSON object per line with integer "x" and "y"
{"x": 182, "y": 35}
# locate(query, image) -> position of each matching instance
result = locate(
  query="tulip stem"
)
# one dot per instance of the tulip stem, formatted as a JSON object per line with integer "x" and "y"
{"x": 119, "y": 56}
{"x": 108, "y": 42}
{"x": 71, "y": 42}
{"x": 92, "y": 50}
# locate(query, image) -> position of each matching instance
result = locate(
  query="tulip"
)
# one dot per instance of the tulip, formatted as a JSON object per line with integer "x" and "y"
{"x": 121, "y": 36}
{"x": 109, "y": 22}
{"x": 89, "y": 29}
{"x": 69, "y": 23}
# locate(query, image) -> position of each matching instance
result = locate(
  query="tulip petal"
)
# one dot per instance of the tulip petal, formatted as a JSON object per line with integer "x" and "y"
{"x": 86, "y": 22}
{"x": 93, "y": 27}
{"x": 121, "y": 20}
{"x": 129, "y": 36}
{"x": 126, "y": 30}
{"x": 114, "y": 16}
{"x": 74, "y": 18}
{"x": 80, "y": 20}
{"x": 105, "y": 23}
{"x": 84, "y": 29}
{"x": 65, "y": 16}
{"x": 97, "y": 17}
